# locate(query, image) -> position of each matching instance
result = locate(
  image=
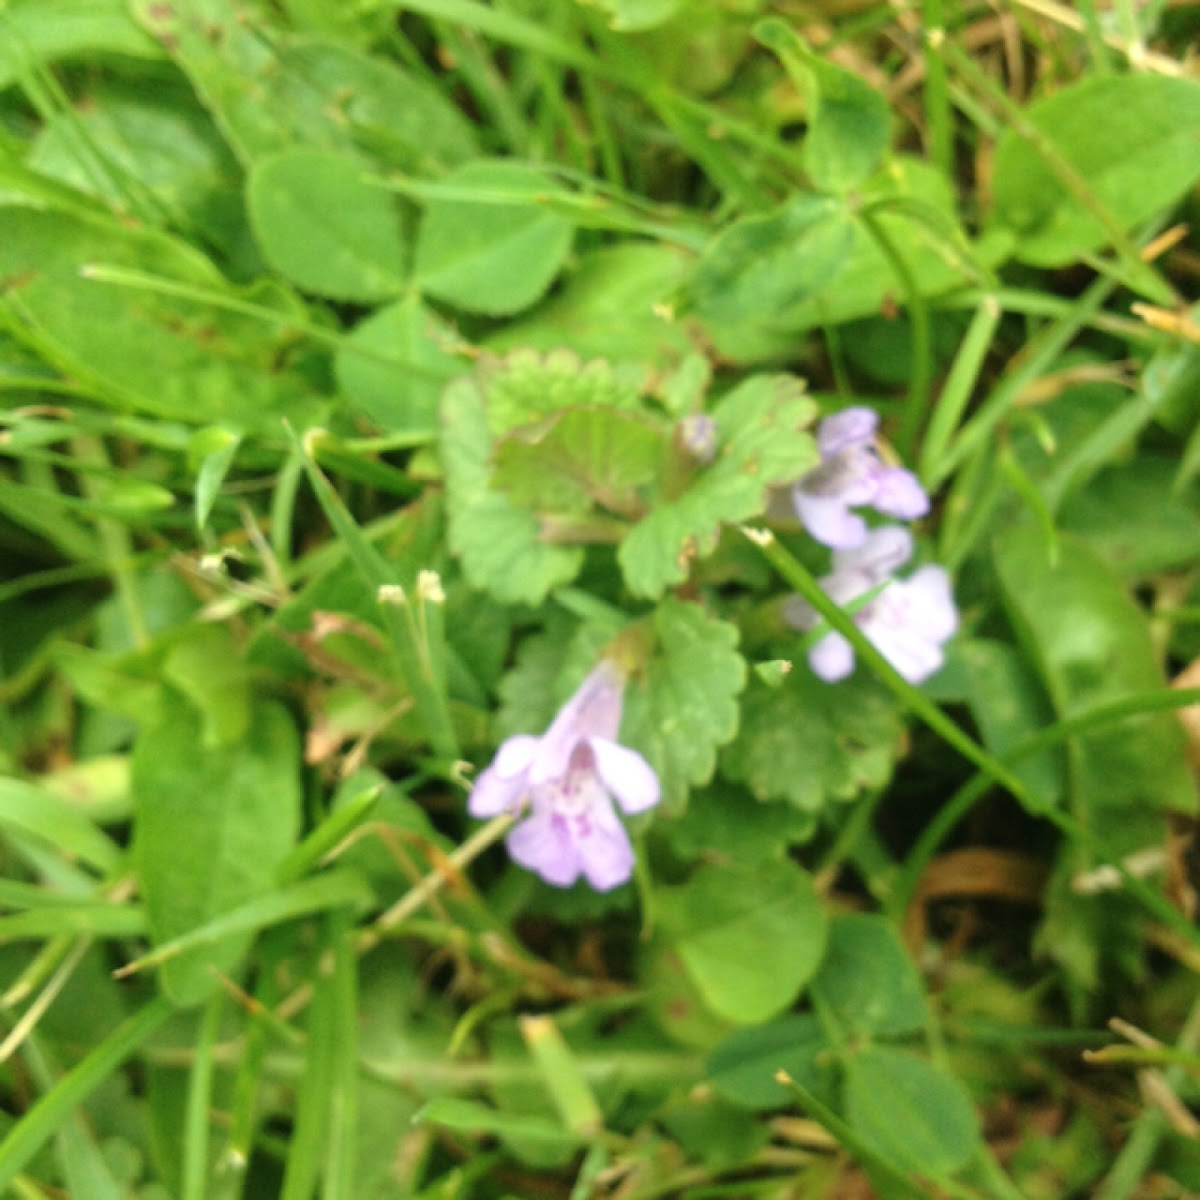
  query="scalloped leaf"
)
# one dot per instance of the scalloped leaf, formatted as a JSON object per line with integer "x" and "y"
{"x": 499, "y": 544}
{"x": 526, "y": 386}
{"x": 578, "y": 458}
{"x": 810, "y": 743}
{"x": 686, "y": 706}
{"x": 762, "y": 441}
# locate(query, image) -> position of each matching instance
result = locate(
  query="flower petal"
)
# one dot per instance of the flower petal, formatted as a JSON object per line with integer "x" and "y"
{"x": 626, "y": 774}
{"x": 829, "y": 520}
{"x": 881, "y": 552}
{"x": 502, "y": 787}
{"x": 850, "y": 427}
{"x": 898, "y": 494}
{"x": 832, "y": 658}
{"x": 931, "y": 597}
{"x": 914, "y": 657}
{"x": 605, "y": 853}
{"x": 543, "y": 844}
{"x": 593, "y": 711}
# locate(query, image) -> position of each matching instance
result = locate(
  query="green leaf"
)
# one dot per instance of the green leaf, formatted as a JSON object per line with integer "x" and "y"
{"x": 812, "y": 743}
{"x": 212, "y": 451}
{"x": 743, "y": 1067}
{"x": 765, "y": 264}
{"x": 723, "y": 824}
{"x": 762, "y": 440}
{"x": 498, "y": 543}
{"x": 150, "y": 152}
{"x": 914, "y": 206}
{"x": 1131, "y": 139}
{"x": 867, "y": 981}
{"x": 525, "y": 387}
{"x": 269, "y": 93}
{"x": 394, "y": 366}
{"x": 615, "y": 304}
{"x": 325, "y": 227}
{"x": 204, "y": 664}
{"x": 913, "y": 1115}
{"x": 211, "y": 826}
{"x": 578, "y": 458}
{"x": 470, "y": 1116}
{"x": 628, "y": 16}
{"x": 849, "y": 122}
{"x": 1009, "y": 707}
{"x": 749, "y": 938}
{"x": 685, "y": 707}
{"x": 40, "y": 31}
{"x": 1134, "y": 518}
{"x": 492, "y": 249}
{"x": 1091, "y": 645}
{"x": 27, "y": 809}
{"x": 138, "y": 345}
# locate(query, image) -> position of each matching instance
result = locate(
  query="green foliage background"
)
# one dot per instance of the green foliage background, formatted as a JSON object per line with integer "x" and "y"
{"x": 346, "y": 355}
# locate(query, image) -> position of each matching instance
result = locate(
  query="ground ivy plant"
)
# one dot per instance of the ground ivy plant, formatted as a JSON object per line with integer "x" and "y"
{"x": 589, "y": 595}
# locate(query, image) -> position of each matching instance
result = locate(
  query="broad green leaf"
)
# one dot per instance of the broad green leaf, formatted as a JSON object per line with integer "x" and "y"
{"x": 203, "y": 662}
{"x": 1130, "y": 139}
{"x": 867, "y": 981}
{"x": 211, "y": 826}
{"x": 916, "y": 211}
{"x": 615, "y": 304}
{"x": 493, "y": 249}
{"x": 724, "y": 824}
{"x": 672, "y": 999}
{"x": 270, "y": 93}
{"x": 153, "y": 153}
{"x": 43, "y": 31}
{"x": 750, "y": 938}
{"x": 1135, "y": 519}
{"x": 743, "y": 1067}
{"x": 1009, "y": 707}
{"x": 499, "y": 544}
{"x": 684, "y": 705}
{"x": 1091, "y": 645}
{"x": 394, "y": 366}
{"x": 762, "y": 440}
{"x": 136, "y": 344}
{"x": 848, "y": 120}
{"x": 917, "y": 1118}
{"x": 325, "y": 227}
{"x": 767, "y": 263}
{"x": 578, "y": 458}
{"x": 525, "y": 387}
{"x": 812, "y": 743}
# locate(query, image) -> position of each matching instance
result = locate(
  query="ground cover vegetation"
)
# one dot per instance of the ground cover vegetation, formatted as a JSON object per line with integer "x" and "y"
{"x": 590, "y": 599}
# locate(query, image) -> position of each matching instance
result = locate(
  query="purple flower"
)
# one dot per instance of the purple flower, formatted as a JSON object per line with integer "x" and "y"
{"x": 568, "y": 777}
{"x": 907, "y": 621}
{"x": 852, "y": 475}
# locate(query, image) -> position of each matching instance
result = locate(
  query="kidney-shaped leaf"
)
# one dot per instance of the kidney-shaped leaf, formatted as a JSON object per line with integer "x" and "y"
{"x": 750, "y": 939}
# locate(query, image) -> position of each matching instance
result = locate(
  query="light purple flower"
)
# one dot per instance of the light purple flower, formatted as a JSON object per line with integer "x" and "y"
{"x": 908, "y": 621}
{"x": 852, "y": 475}
{"x": 568, "y": 777}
